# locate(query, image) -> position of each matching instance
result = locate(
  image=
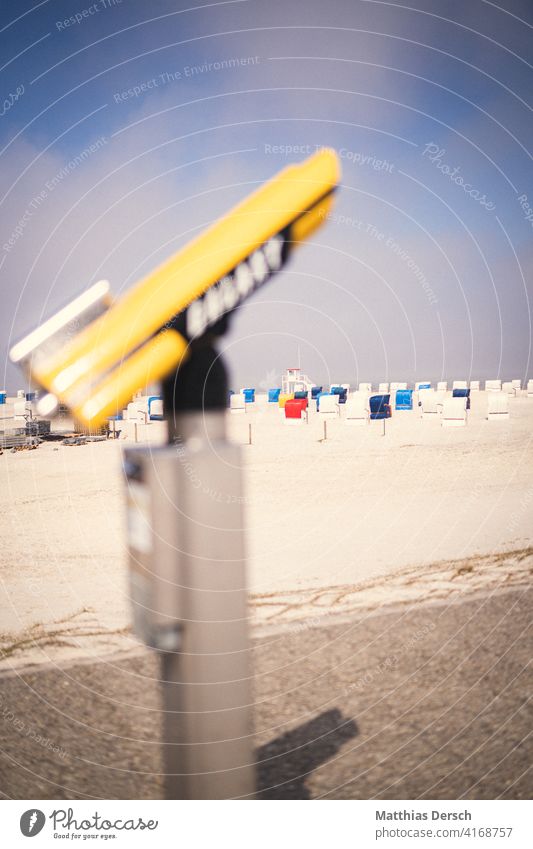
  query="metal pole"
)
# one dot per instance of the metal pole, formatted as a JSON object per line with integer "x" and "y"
{"x": 188, "y": 586}
{"x": 249, "y": 434}
{"x": 208, "y": 748}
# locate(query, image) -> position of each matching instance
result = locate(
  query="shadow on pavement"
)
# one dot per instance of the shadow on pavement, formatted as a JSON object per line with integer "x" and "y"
{"x": 284, "y": 764}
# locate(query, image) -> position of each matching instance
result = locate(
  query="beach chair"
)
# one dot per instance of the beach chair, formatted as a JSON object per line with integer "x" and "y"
{"x": 442, "y": 386}
{"x": 340, "y": 392}
{"x": 440, "y": 397}
{"x": 357, "y": 410}
{"x": 404, "y": 399}
{"x": 134, "y": 413}
{"x": 454, "y": 412}
{"x": 530, "y": 388}
{"x": 508, "y": 388}
{"x": 474, "y": 386}
{"x": 273, "y": 396}
{"x": 430, "y": 404}
{"x": 317, "y": 399}
{"x": 493, "y": 386}
{"x": 459, "y": 384}
{"x": 421, "y": 393}
{"x": 497, "y": 406}
{"x": 155, "y": 409}
{"x": 328, "y": 406}
{"x": 237, "y": 403}
{"x": 379, "y": 407}
{"x": 365, "y": 387}
{"x": 517, "y": 384}
{"x": 383, "y": 387}
{"x": 422, "y": 384}
{"x": 295, "y": 411}
{"x": 462, "y": 392}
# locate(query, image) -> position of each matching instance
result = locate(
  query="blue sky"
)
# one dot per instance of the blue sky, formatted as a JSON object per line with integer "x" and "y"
{"x": 387, "y": 84}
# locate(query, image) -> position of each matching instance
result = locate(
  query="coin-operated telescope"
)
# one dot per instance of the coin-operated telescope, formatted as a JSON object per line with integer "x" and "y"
{"x": 94, "y": 354}
{"x": 185, "y": 500}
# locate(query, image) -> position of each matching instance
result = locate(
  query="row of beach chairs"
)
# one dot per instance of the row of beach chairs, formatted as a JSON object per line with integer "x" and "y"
{"x": 361, "y": 407}
{"x": 511, "y": 387}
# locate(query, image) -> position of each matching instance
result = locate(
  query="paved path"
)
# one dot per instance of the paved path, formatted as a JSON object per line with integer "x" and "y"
{"x": 427, "y": 702}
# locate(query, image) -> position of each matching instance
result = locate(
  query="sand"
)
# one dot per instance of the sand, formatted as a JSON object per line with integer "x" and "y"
{"x": 360, "y": 518}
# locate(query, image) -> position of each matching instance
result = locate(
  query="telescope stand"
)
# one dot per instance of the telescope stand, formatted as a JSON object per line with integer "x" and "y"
{"x": 189, "y": 590}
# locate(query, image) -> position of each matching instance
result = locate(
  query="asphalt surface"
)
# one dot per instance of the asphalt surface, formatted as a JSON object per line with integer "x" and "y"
{"x": 429, "y": 702}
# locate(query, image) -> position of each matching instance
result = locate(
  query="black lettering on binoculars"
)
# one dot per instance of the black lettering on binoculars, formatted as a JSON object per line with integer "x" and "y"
{"x": 230, "y": 291}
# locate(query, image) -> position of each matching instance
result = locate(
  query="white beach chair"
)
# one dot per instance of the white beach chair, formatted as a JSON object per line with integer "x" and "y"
{"x": 459, "y": 384}
{"x": 365, "y": 387}
{"x": 237, "y": 404}
{"x": 517, "y": 384}
{"x": 497, "y": 406}
{"x": 442, "y": 386}
{"x": 418, "y": 384}
{"x": 383, "y": 388}
{"x": 474, "y": 386}
{"x": 508, "y": 388}
{"x": 156, "y": 407}
{"x": 329, "y": 406}
{"x": 131, "y": 412}
{"x": 138, "y": 409}
{"x": 357, "y": 409}
{"x": 421, "y": 394}
{"x": 454, "y": 412}
{"x": 530, "y": 388}
{"x": 493, "y": 386}
{"x": 430, "y": 404}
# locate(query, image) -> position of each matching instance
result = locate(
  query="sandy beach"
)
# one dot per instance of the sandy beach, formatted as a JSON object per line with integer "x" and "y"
{"x": 361, "y": 519}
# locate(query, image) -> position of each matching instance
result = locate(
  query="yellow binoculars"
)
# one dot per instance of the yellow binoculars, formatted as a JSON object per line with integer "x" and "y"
{"x": 94, "y": 354}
